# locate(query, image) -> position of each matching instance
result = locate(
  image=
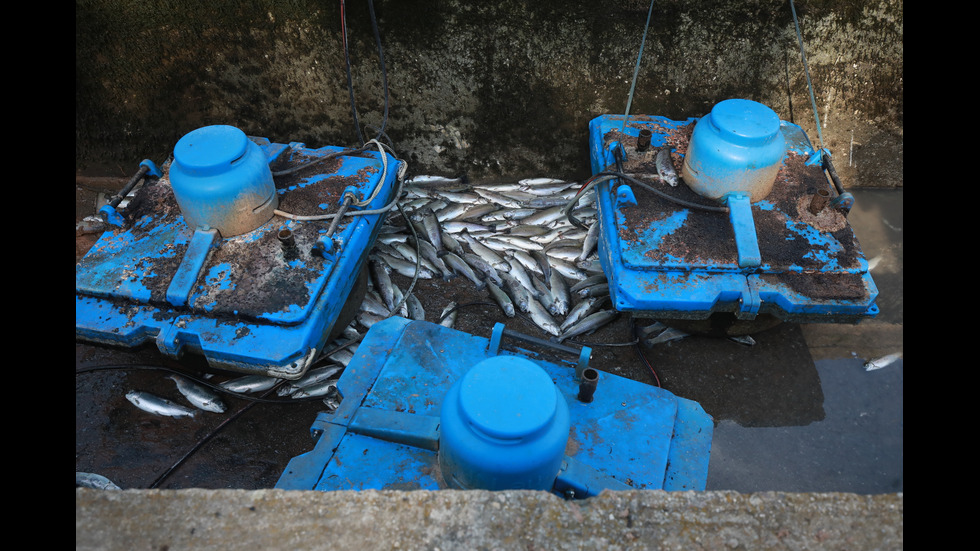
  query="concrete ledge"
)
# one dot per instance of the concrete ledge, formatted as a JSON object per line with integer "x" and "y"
{"x": 279, "y": 519}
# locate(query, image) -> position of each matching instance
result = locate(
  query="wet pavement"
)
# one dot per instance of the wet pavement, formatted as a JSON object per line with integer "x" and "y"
{"x": 794, "y": 412}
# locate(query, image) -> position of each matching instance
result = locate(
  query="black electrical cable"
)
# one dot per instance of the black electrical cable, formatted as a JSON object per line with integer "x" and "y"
{"x": 639, "y": 352}
{"x": 350, "y": 80}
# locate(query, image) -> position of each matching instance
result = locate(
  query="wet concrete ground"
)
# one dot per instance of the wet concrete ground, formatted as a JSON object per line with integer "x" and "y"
{"x": 794, "y": 412}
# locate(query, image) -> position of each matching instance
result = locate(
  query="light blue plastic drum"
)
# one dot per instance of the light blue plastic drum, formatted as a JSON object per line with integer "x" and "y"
{"x": 504, "y": 425}
{"x": 737, "y": 148}
{"x": 221, "y": 180}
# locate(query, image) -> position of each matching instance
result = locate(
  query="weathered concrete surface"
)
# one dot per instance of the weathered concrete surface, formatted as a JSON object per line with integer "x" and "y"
{"x": 278, "y": 519}
{"x": 489, "y": 89}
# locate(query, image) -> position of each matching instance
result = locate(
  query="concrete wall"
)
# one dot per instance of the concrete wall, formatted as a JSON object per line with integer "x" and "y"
{"x": 491, "y": 89}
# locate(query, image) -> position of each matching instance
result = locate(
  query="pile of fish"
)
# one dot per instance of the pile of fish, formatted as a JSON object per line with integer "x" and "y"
{"x": 514, "y": 241}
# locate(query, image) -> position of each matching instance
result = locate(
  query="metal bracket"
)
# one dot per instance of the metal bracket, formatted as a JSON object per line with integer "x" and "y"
{"x": 499, "y": 332}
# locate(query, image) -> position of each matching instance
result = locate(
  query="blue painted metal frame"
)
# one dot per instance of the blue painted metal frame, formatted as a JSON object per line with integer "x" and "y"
{"x": 385, "y": 433}
{"x": 201, "y": 305}
{"x": 651, "y": 282}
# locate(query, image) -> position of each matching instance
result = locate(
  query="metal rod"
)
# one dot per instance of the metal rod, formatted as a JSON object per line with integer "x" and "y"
{"x": 116, "y": 199}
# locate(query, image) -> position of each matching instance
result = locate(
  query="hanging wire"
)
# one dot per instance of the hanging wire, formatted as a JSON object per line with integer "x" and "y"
{"x": 806, "y": 69}
{"x": 636, "y": 71}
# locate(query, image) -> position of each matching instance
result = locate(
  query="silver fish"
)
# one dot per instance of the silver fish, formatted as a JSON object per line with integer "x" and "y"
{"x": 432, "y": 230}
{"x": 448, "y": 316}
{"x": 481, "y": 266}
{"x": 546, "y": 216}
{"x": 881, "y": 362}
{"x": 525, "y": 259}
{"x": 456, "y": 226}
{"x": 415, "y": 309}
{"x": 520, "y": 274}
{"x": 342, "y": 356}
{"x": 544, "y": 265}
{"x": 157, "y": 405}
{"x": 250, "y": 383}
{"x": 367, "y": 319}
{"x": 510, "y": 241}
{"x": 452, "y": 211}
{"x": 582, "y": 310}
{"x": 404, "y": 267}
{"x": 669, "y": 334}
{"x": 559, "y": 288}
{"x": 654, "y": 328}
{"x": 499, "y": 198}
{"x": 594, "y": 290}
{"x": 319, "y": 388}
{"x": 484, "y": 252}
{"x": 382, "y": 281}
{"x": 373, "y": 305}
{"x": 518, "y": 293}
{"x": 312, "y": 377}
{"x": 526, "y": 230}
{"x": 568, "y": 270}
{"x": 451, "y": 244}
{"x": 461, "y": 267}
{"x": 477, "y": 211}
{"x": 665, "y": 166}
{"x": 413, "y": 255}
{"x": 747, "y": 340}
{"x": 94, "y": 481}
{"x": 430, "y": 253}
{"x": 199, "y": 396}
{"x": 591, "y": 280}
{"x": 589, "y": 324}
{"x": 458, "y": 196}
{"x": 542, "y": 318}
{"x": 501, "y": 298}
{"x": 590, "y": 241}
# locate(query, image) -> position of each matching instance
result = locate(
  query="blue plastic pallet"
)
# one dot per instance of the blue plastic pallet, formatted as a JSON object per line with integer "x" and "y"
{"x": 261, "y": 302}
{"x": 386, "y": 432}
{"x": 669, "y": 261}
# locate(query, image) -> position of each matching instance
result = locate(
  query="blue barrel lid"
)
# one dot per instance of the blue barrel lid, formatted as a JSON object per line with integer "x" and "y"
{"x": 210, "y": 150}
{"x": 745, "y": 122}
{"x": 507, "y": 397}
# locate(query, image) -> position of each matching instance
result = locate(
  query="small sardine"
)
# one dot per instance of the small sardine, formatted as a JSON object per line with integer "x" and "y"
{"x": 665, "y": 166}
{"x": 94, "y": 481}
{"x": 199, "y": 396}
{"x": 881, "y": 362}
{"x": 157, "y": 405}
